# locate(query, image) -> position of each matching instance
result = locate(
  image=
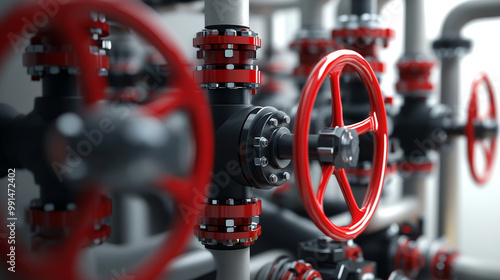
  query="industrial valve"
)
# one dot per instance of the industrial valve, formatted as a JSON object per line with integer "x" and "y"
{"x": 422, "y": 128}
{"x": 62, "y": 110}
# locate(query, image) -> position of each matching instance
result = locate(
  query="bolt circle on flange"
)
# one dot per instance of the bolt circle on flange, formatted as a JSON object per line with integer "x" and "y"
{"x": 332, "y": 65}
{"x": 260, "y": 134}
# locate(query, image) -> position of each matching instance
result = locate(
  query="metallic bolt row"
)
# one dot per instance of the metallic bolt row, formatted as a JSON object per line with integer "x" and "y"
{"x": 227, "y": 67}
{"x": 229, "y": 85}
{"x": 229, "y": 32}
{"x": 354, "y": 21}
{"x": 231, "y": 201}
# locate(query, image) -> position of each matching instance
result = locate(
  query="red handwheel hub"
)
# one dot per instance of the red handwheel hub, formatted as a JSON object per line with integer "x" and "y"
{"x": 332, "y": 66}
{"x": 470, "y": 131}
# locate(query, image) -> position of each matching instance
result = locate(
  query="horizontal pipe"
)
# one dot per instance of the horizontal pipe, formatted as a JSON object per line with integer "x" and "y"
{"x": 385, "y": 215}
{"x": 466, "y": 267}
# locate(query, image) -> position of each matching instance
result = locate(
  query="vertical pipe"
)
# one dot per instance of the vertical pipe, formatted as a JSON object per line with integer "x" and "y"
{"x": 450, "y": 90}
{"x": 448, "y": 183}
{"x": 343, "y": 8}
{"x": 415, "y": 40}
{"x": 232, "y": 264}
{"x": 227, "y": 12}
{"x": 311, "y": 13}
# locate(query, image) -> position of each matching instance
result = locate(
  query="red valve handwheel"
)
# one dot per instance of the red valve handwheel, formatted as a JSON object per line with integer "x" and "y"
{"x": 470, "y": 131}
{"x": 332, "y": 66}
{"x": 184, "y": 94}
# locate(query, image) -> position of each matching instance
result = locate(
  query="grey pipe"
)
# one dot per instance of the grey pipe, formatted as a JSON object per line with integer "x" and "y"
{"x": 191, "y": 265}
{"x": 311, "y": 11}
{"x": 450, "y": 90}
{"x": 381, "y": 5}
{"x": 466, "y": 12}
{"x": 415, "y": 41}
{"x": 466, "y": 267}
{"x": 386, "y": 215}
{"x": 232, "y": 264}
{"x": 227, "y": 12}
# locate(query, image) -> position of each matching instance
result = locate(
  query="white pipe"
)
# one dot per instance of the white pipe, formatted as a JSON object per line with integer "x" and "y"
{"x": 312, "y": 13}
{"x": 466, "y": 267}
{"x": 227, "y": 12}
{"x": 405, "y": 209}
{"x": 191, "y": 265}
{"x": 232, "y": 264}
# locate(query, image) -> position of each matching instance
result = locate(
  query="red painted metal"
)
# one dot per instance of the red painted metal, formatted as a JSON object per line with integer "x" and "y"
{"x": 228, "y": 211}
{"x": 61, "y": 263}
{"x": 228, "y": 76}
{"x": 61, "y": 58}
{"x": 229, "y": 224}
{"x": 332, "y": 66}
{"x": 408, "y": 166}
{"x": 414, "y": 76}
{"x": 66, "y": 219}
{"x": 311, "y": 50}
{"x": 442, "y": 263}
{"x": 470, "y": 132}
{"x": 408, "y": 258}
{"x": 300, "y": 270}
{"x": 353, "y": 252}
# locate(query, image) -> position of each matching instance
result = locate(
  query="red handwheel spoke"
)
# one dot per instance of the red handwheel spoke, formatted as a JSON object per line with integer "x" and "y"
{"x": 166, "y": 103}
{"x": 363, "y": 126}
{"x": 347, "y": 193}
{"x": 337, "y": 113}
{"x": 179, "y": 188}
{"x": 326, "y": 173}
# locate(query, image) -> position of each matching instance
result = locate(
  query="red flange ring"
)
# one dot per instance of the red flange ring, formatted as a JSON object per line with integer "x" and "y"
{"x": 185, "y": 95}
{"x": 332, "y": 66}
{"x": 470, "y": 131}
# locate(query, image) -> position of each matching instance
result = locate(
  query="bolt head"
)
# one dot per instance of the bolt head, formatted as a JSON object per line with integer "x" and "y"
{"x": 228, "y": 53}
{"x": 263, "y": 161}
{"x": 273, "y": 178}
{"x": 286, "y": 176}
{"x": 286, "y": 119}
